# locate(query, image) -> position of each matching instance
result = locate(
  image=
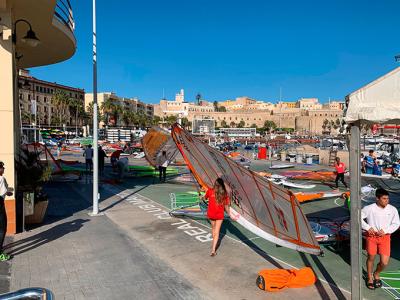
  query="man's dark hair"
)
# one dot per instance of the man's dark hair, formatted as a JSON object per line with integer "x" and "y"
{"x": 371, "y": 151}
{"x": 1, "y": 164}
{"x": 381, "y": 192}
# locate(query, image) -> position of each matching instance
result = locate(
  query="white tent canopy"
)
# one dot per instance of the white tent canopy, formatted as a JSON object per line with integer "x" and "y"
{"x": 377, "y": 102}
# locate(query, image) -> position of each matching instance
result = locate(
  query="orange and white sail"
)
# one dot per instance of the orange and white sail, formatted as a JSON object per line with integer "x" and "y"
{"x": 155, "y": 141}
{"x": 265, "y": 209}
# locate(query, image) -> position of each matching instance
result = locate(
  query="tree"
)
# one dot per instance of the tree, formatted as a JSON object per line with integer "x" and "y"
{"x": 171, "y": 120}
{"x": 61, "y": 101}
{"x": 127, "y": 117}
{"x": 253, "y": 126}
{"x": 89, "y": 115}
{"x": 222, "y": 109}
{"x": 109, "y": 108}
{"x": 185, "y": 123}
{"x": 325, "y": 124}
{"x": 76, "y": 107}
{"x": 241, "y": 124}
{"x": 223, "y": 124}
{"x": 232, "y": 124}
{"x": 269, "y": 125}
{"x": 215, "y": 105}
{"x": 156, "y": 120}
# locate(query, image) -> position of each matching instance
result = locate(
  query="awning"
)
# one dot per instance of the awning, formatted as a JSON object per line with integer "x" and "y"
{"x": 377, "y": 102}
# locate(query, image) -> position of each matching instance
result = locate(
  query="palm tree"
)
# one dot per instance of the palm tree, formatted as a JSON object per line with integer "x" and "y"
{"x": 107, "y": 107}
{"x": 232, "y": 124}
{"x": 60, "y": 101}
{"x": 127, "y": 117}
{"x": 77, "y": 108}
{"x": 325, "y": 124}
{"x": 185, "y": 123}
{"x": 223, "y": 124}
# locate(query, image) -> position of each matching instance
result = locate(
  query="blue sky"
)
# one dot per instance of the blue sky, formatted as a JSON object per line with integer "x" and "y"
{"x": 225, "y": 49}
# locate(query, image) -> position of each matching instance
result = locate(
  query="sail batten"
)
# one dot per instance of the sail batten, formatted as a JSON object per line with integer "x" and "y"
{"x": 270, "y": 211}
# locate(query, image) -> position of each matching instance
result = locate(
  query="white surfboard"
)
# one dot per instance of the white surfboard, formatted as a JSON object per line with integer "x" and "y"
{"x": 282, "y": 166}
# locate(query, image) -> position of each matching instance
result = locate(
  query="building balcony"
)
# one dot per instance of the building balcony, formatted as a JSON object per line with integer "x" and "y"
{"x": 53, "y": 23}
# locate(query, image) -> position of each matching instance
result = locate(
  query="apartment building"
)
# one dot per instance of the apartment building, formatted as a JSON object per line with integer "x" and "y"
{"x": 36, "y": 98}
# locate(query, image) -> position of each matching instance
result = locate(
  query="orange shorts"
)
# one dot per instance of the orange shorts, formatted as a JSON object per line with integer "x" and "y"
{"x": 378, "y": 245}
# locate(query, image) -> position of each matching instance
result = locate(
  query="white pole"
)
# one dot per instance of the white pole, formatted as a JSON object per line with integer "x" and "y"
{"x": 95, "y": 122}
{"x": 355, "y": 212}
{"x": 34, "y": 130}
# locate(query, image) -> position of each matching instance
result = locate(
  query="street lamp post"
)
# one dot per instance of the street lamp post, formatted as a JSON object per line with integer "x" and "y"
{"x": 95, "y": 122}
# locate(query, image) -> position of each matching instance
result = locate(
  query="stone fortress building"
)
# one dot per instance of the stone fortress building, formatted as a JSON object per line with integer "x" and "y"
{"x": 305, "y": 115}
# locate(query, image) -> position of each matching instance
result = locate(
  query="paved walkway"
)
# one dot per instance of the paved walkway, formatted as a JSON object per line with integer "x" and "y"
{"x": 79, "y": 257}
{"x": 136, "y": 251}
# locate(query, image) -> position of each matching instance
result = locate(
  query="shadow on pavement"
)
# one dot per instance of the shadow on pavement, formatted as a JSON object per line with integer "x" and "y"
{"x": 228, "y": 227}
{"x": 44, "y": 237}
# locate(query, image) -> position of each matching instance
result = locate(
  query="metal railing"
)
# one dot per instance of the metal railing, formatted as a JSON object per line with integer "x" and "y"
{"x": 29, "y": 293}
{"x": 63, "y": 12}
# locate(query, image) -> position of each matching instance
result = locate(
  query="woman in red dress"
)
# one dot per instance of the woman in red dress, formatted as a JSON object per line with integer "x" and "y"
{"x": 218, "y": 202}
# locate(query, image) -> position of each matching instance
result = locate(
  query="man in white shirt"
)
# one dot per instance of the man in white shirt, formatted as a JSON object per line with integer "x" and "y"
{"x": 382, "y": 219}
{"x": 162, "y": 162}
{"x": 4, "y": 191}
{"x": 88, "y": 153}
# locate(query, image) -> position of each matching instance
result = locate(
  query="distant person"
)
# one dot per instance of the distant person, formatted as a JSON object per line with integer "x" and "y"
{"x": 88, "y": 153}
{"x": 114, "y": 158}
{"x": 59, "y": 149}
{"x": 102, "y": 156}
{"x": 122, "y": 166}
{"x": 368, "y": 162}
{"x": 376, "y": 169}
{"x": 4, "y": 191}
{"x": 340, "y": 170}
{"x": 396, "y": 168}
{"x": 382, "y": 220}
{"x": 218, "y": 203}
{"x": 162, "y": 163}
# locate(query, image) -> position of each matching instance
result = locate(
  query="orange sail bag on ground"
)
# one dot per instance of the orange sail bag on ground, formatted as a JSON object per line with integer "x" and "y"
{"x": 278, "y": 279}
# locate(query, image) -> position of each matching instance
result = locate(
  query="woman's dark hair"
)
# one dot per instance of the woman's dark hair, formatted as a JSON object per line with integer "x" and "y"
{"x": 220, "y": 191}
{"x": 381, "y": 192}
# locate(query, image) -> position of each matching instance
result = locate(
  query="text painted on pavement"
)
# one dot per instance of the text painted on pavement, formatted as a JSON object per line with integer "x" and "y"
{"x": 146, "y": 205}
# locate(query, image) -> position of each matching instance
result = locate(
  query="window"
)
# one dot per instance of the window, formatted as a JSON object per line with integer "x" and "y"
{"x": 21, "y": 96}
{"x": 45, "y": 109}
{"x": 29, "y": 97}
{"x": 45, "y": 100}
{"x": 37, "y": 89}
{"x": 37, "y": 98}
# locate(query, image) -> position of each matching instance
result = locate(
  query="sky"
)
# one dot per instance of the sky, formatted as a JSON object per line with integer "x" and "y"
{"x": 267, "y": 50}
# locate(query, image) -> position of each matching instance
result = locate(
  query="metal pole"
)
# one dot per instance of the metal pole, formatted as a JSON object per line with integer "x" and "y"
{"x": 34, "y": 130}
{"x": 95, "y": 122}
{"x": 355, "y": 212}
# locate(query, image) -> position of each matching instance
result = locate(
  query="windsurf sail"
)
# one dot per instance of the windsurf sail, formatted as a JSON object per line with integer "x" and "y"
{"x": 310, "y": 175}
{"x": 155, "y": 141}
{"x": 264, "y": 208}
